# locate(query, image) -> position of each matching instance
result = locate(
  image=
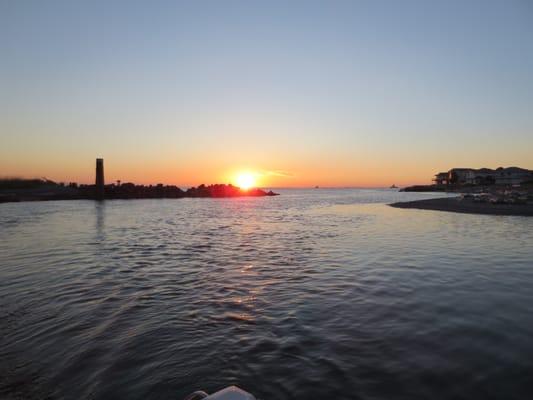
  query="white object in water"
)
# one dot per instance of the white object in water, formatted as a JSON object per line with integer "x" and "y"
{"x": 229, "y": 393}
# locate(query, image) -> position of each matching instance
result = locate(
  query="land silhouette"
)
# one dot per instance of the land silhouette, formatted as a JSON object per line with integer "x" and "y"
{"x": 16, "y": 189}
{"x": 501, "y": 191}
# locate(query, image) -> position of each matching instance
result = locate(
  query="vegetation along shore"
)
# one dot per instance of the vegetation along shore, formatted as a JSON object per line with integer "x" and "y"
{"x": 15, "y": 190}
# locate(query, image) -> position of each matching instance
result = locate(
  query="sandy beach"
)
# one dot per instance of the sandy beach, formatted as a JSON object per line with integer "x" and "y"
{"x": 467, "y": 206}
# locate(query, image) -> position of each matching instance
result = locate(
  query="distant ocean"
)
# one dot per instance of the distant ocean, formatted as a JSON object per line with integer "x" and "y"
{"x": 314, "y": 294}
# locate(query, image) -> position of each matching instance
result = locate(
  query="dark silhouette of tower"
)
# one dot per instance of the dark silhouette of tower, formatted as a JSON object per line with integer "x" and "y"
{"x": 99, "y": 189}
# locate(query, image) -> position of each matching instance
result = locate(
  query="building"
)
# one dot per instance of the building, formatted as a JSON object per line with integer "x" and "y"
{"x": 441, "y": 178}
{"x": 461, "y": 176}
{"x": 512, "y": 176}
{"x": 484, "y": 176}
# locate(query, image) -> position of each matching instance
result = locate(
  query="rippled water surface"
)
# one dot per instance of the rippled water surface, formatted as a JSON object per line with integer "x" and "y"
{"x": 322, "y": 294}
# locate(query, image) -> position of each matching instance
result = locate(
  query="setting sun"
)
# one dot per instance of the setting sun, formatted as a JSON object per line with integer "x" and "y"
{"x": 245, "y": 180}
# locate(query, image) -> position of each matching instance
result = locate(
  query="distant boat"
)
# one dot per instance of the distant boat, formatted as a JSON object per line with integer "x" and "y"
{"x": 316, "y": 187}
{"x": 393, "y": 186}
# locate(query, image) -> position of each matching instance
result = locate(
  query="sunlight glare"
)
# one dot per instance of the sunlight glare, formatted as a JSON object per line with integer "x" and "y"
{"x": 245, "y": 180}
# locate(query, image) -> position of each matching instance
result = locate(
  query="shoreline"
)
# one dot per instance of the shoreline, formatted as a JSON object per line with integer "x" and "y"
{"x": 16, "y": 192}
{"x": 467, "y": 206}
{"x": 32, "y": 199}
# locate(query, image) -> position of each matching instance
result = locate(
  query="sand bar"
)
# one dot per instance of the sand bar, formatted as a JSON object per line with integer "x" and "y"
{"x": 467, "y": 206}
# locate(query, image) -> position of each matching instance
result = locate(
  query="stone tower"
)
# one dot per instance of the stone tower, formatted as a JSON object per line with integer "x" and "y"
{"x": 99, "y": 190}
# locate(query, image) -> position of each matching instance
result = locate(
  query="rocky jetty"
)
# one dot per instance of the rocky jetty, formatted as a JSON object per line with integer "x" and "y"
{"x": 14, "y": 190}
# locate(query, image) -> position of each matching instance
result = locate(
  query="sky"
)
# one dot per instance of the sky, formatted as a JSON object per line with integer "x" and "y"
{"x": 329, "y": 93}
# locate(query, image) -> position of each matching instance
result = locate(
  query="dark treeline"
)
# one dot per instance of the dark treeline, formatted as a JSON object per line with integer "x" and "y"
{"x": 15, "y": 189}
{"x": 130, "y": 190}
{"x": 19, "y": 183}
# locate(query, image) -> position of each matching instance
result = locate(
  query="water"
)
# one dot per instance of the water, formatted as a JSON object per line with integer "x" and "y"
{"x": 310, "y": 295}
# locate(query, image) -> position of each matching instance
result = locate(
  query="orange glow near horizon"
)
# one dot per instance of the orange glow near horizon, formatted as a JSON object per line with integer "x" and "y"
{"x": 245, "y": 180}
{"x": 281, "y": 169}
